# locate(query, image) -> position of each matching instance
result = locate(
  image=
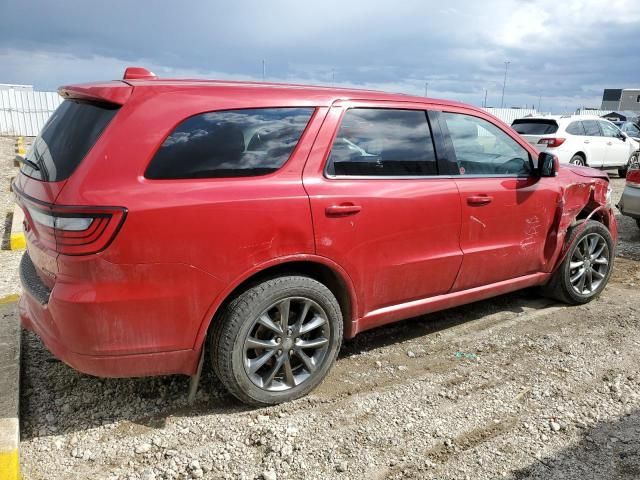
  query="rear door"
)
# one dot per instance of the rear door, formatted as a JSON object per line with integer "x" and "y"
{"x": 379, "y": 208}
{"x": 506, "y": 211}
{"x": 595, "y": 143}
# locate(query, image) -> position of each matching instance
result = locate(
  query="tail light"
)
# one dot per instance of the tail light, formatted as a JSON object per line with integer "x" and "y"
{"x": 633, "y": 177}
{"x": 71, "y": 230}
{"x": 551, "y": 142}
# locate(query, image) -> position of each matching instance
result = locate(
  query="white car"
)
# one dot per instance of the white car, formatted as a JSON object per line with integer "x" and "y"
{"x": 579, "y": 139}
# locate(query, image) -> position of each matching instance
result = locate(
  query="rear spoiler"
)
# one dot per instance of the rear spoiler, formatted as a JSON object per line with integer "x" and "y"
{"x": 117, "y": 92}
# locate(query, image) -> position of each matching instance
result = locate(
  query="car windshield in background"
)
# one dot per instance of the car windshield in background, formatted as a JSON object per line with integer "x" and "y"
{"x": 66, "y": 138}
{"x": 231, "y": 143}
{"x": 535, "y": 127}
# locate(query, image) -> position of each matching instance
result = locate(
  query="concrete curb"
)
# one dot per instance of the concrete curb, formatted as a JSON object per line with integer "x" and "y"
{"x": 9, "y": 389}
{"x": 17, "y": 240}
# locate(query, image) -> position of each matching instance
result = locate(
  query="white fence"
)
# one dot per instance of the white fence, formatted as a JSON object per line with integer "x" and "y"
{"x": 508, "y": 115}
{"x": 25, "y": 112}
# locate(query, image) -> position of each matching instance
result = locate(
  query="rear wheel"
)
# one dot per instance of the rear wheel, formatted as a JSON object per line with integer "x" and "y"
{"x": 587, "y": 267}
{"x": 578, "y": 160}
{"x": 276, "y": 341}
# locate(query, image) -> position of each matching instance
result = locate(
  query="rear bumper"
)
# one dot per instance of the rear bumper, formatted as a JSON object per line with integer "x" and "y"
{"x": 630, "y": 202}
{"x": 34, "y": 317}
{"x": 119, "y": 320}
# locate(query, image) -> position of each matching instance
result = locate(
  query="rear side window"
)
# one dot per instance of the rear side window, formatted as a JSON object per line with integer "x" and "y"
{"x": 383, "y": 142}
{"x": 230, "y": 143}
{"x": 591, "y": 128}
{"x": 535, "y": 127}
{"x": 66, "y": 138}
{"x": 575, "y": 128}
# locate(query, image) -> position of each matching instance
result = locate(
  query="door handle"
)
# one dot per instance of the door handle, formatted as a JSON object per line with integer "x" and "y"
{"x": 342, "y": 210}
{"x": 479, "y": 200}
{"x": 609, "y": 143}
{"x": 587, "y": 141}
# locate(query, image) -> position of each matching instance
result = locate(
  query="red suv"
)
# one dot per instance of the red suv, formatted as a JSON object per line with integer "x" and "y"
{"x": 272, "y": 221}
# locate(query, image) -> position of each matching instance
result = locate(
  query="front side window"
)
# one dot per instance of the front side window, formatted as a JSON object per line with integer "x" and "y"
{"x": 383, "y": 142}
{"x": 631, "y": 130}
{"x": 591, "y": 128}
{"x": 609, "y": 130}
{"x": 575, "y": 128}
{"x": 481, "y": 148}
{"x": 231, "y": 143}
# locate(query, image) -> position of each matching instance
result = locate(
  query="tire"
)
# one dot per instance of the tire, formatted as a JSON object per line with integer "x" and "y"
{"x": 578, "y": 160}
{"x": 258, "y": 361}
{"x": 622, "y": 172}
{"x": 561, "y": 286}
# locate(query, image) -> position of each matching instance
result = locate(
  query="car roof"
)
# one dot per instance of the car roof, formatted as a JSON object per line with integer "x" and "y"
{"x": 323, "y": 93}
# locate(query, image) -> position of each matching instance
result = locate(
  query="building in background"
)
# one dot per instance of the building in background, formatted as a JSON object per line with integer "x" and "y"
{"x": 616, "y": 99}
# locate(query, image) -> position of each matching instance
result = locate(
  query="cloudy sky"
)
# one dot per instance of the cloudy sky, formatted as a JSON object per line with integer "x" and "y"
{"x": 563, "y": 51}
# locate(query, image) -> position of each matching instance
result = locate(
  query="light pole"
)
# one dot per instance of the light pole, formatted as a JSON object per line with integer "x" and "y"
{"x": 504, "y": 83}
{"x": 264, "y": 70}
{"x": 485, "y": 98}
{"x": 426, "y": 89}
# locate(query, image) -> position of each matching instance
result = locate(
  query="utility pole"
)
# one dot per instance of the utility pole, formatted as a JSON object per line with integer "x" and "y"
{"x": 333, "y": 76}
{"x": 426, "y": 89}
{"x": 485, "y": 98}
{"x": 504, "y": 83}
{"x": 264, "y": 70}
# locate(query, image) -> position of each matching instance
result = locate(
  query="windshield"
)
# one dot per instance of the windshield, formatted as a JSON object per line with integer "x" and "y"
{"x": 65, "y": 139}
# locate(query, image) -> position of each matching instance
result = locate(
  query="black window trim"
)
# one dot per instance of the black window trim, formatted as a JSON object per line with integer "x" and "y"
{"x": 451, "y": 151}
{"x": 436, "y": 139}
{"x": 315, "y": 111}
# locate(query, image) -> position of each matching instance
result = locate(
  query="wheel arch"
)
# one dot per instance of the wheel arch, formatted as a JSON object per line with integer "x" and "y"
{"x": 583, "y": 155}
{"x": 319, "y": 268}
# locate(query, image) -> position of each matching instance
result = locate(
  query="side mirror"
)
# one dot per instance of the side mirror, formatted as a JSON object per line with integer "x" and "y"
{"x": 548, "y": 165}
{"x": 622, "y": 136}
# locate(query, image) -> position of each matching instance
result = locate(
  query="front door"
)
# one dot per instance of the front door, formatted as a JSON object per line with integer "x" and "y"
{"x": 617, "y": 152}
{"x": 507, "y": 212}
{"x": 379, "y": 208}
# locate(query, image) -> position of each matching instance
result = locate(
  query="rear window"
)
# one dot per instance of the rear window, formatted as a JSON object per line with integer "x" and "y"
{"x": 230, "y": 143}
{"x": 66, "y": 138}
{"x": 535, "y": 127}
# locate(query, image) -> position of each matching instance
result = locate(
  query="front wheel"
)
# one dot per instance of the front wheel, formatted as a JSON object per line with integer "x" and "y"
{"x": 276, "y": 341}
{"x": 587, "y": 267}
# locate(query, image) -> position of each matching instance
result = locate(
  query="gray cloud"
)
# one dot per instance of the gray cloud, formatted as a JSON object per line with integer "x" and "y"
{"x": 567, "y": 52}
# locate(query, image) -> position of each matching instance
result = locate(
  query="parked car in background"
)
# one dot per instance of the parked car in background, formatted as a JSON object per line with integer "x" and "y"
{"x": 273, "y": 221}
{"x": 629, "y": 204}
{"x": 580, "y": 140}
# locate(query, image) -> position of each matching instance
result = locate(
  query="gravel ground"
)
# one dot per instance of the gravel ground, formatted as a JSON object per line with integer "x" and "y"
{"x": 9, "y": 260}
{"x": 514, "y": 387}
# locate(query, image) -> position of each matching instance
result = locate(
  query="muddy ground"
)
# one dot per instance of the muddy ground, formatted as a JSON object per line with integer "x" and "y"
{"x": 514, "y": 387}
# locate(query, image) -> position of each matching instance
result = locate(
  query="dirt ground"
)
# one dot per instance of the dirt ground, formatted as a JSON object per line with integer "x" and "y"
{"x": 515, "y": 387}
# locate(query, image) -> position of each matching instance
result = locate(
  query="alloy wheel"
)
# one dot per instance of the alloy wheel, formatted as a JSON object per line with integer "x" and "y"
{"x": 286, "y": 344}
{"x": 589, "y": 264}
